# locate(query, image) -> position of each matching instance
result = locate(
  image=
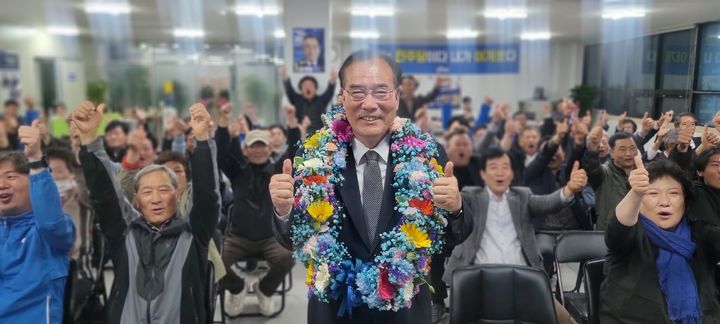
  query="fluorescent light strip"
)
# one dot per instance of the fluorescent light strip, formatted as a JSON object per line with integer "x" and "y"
{"x": 535, "y": 36}
{"x": 63, "y": 31}
{"x": 373, "y": 11}
{"x": 252, "y": 10}
{"x": 188, "y": 33}
{"x": 622, "y": 13}
{"x": 462, "y": 33}
{"x": 507, "y": 13}
{"x": 279, "y": 33}
{"x": 107, "y": 8}
{"x": 365, "y": 34}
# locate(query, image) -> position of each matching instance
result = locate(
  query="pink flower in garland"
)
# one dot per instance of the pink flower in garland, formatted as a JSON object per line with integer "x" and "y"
{"x": 410, "y": 141}
{"x": 386, "y": 290}
{"x": 342, "y": 130}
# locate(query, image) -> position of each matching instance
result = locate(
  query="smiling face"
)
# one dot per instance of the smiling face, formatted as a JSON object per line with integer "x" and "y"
{"x": 311, "y": 48}
{"x": 664, "y": 202}
{"x": 179, "y": 170}
{"x": 498, "y": 174}
{"x": 14, "y": 190}
{"x": 116, "y": 138}
{"x": 146, "y": 153}
{"x": 156, "y": 197}
{"x": 370, "y": 118}
{"x": 257, "y": 153}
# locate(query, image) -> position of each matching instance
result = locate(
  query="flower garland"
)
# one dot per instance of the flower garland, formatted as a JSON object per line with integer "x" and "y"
{"x": 397, "y": 272}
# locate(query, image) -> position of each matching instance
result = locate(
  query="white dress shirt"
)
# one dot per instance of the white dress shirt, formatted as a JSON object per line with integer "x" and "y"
{"x": 500, "y": 243}
{"x": 359, "y": 150}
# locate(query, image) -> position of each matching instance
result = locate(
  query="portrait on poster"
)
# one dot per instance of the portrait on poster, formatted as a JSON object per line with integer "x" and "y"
{"x": 308, "y": 50}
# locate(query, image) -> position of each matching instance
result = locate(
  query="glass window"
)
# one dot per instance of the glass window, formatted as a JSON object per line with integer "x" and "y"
{"x": 709, "y": 65}
{"x": 706, "y": 106}
{"x": 593, "y": 66}
{"x": 675, "y": 52}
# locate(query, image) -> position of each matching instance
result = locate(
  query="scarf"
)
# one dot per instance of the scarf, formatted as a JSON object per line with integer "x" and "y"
{"x": 677, "y": 281}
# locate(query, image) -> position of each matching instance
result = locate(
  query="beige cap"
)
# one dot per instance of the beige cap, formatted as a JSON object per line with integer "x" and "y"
{"x": 257, "y": 135}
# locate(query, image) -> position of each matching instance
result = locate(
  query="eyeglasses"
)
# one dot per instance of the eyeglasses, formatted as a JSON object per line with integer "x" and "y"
{"x": 380, "y": 94}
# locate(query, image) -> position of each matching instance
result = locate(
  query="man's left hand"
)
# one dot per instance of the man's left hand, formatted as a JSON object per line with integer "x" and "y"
{"x": 446, "y": 193}
{"x": 200, "y": 122}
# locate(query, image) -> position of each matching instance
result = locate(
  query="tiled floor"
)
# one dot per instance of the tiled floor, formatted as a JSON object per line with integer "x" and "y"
{"x": 296, "y": 300}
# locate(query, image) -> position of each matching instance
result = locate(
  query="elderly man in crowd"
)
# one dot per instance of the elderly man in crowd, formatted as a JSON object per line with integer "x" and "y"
{"x": 160, "y": 257}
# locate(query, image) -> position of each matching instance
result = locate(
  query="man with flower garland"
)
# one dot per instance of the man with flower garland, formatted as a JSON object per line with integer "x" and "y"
{"x": 368, "y": 204}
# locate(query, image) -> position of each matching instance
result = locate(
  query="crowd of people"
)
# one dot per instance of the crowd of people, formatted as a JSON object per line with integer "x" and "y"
{"x": 218, "y": 190}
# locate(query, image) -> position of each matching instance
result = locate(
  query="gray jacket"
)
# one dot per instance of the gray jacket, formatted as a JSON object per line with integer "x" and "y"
{"x": 524, "y": 207}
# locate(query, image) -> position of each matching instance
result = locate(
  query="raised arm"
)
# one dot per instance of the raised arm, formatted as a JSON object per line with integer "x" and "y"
{"x": 292, "y": 96}
{"x": 591, "y": 158}
{"x": 327, "y": 96}
{"x": 430, "y": 96}
{"x": 56, "y": 228}
{"x": 229, "y": 158}
{"x": 206, "y": 200}
{"x": 114, "y": 211}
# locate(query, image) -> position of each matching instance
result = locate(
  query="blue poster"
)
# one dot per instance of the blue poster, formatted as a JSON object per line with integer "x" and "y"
{"x": 308, "y": 50}
{"x": 455, "y": 58}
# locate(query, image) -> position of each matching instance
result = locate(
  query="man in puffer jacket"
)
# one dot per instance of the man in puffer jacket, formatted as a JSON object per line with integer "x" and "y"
{"x": 160, "y": 257}
{"x": 35, "y": 236}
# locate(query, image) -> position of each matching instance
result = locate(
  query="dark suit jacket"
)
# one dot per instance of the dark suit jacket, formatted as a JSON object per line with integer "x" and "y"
{"x": 631, "y": 293}
{"x": 524, "y": 207}
{"x": 354, "y": 236}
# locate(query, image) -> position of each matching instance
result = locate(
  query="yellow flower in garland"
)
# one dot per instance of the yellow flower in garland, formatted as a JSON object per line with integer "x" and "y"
{"x": 310, "y": 272}
{"x": 437, "y": 165}
{"x": 313, "y": 141}
{"x": 415, "y": 235}
{"x": 320, "y": 210}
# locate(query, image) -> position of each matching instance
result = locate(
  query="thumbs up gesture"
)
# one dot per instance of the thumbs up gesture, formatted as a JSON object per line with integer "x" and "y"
{"x": 639, "y": 179}
{"x": 446, "y": 192}
{"x": 282, "y": 188}
{"x": 30, "y": 137}
{"x": 578, "y": 180}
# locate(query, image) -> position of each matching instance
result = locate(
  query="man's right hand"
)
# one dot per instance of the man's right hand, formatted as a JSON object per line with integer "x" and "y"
{"x": 283, "y": 72}
{"x": 594, "y": 138}
{"x": 639, "y": 178}
{"x": 685, "y": 134}
{"x": 580, "y": 132}
{"x": 282, "y": 187}
{"x": 86, "y": 119}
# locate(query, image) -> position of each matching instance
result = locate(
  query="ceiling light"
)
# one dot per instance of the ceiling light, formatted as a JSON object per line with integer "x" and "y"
{"x": 373, "y": 11}
{"x": 364, "y": 34}
{"x": 718, "y": 36}
{"x": 188, "y": 33}
{"x": 535, "y": 36}
{"x": 462, "y": 33}
{"x": 107, "y": 8}
{"x": 63, "y": 31}
{"x": 506, "y": 13}
{"x": 622, "y": 13}
{"x": 279, "y": 33}
{"x": 253, "y": 10}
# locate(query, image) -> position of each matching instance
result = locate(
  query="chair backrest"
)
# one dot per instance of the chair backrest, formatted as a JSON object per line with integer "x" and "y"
{"x": 594, "y": 276}
{"x": 580, "y": 246}
{"x": 494, "y": 293}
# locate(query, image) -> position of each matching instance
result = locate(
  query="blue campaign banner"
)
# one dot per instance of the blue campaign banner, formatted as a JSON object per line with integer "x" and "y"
{"x": 9, "y": 61}
{"x": 467, "y": 58}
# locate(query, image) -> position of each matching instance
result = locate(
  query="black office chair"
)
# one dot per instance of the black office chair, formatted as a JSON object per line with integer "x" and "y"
{"x": 594, "y": 276}
{"x": 577, "y": 246}
{"x": 495, "y": 293}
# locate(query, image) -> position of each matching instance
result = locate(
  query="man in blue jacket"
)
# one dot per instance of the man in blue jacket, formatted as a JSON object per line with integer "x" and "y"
{"x": 35, "y": 236}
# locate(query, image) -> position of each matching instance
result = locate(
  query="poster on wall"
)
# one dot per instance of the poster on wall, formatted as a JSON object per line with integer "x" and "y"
{"x": 308, "y": 54}
{"x": 9, "y": 76}
{"x": 464, "y": 58}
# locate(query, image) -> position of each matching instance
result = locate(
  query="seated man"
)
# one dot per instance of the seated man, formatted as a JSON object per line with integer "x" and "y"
{"x": 498, "y": 209}
{"x": 36, "y": 236}
{"x": 250, "y": 233}
{"x": 160, "y": 257}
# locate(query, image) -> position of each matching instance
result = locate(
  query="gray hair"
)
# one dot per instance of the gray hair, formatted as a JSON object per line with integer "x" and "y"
{"x": 152, "y": 168}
